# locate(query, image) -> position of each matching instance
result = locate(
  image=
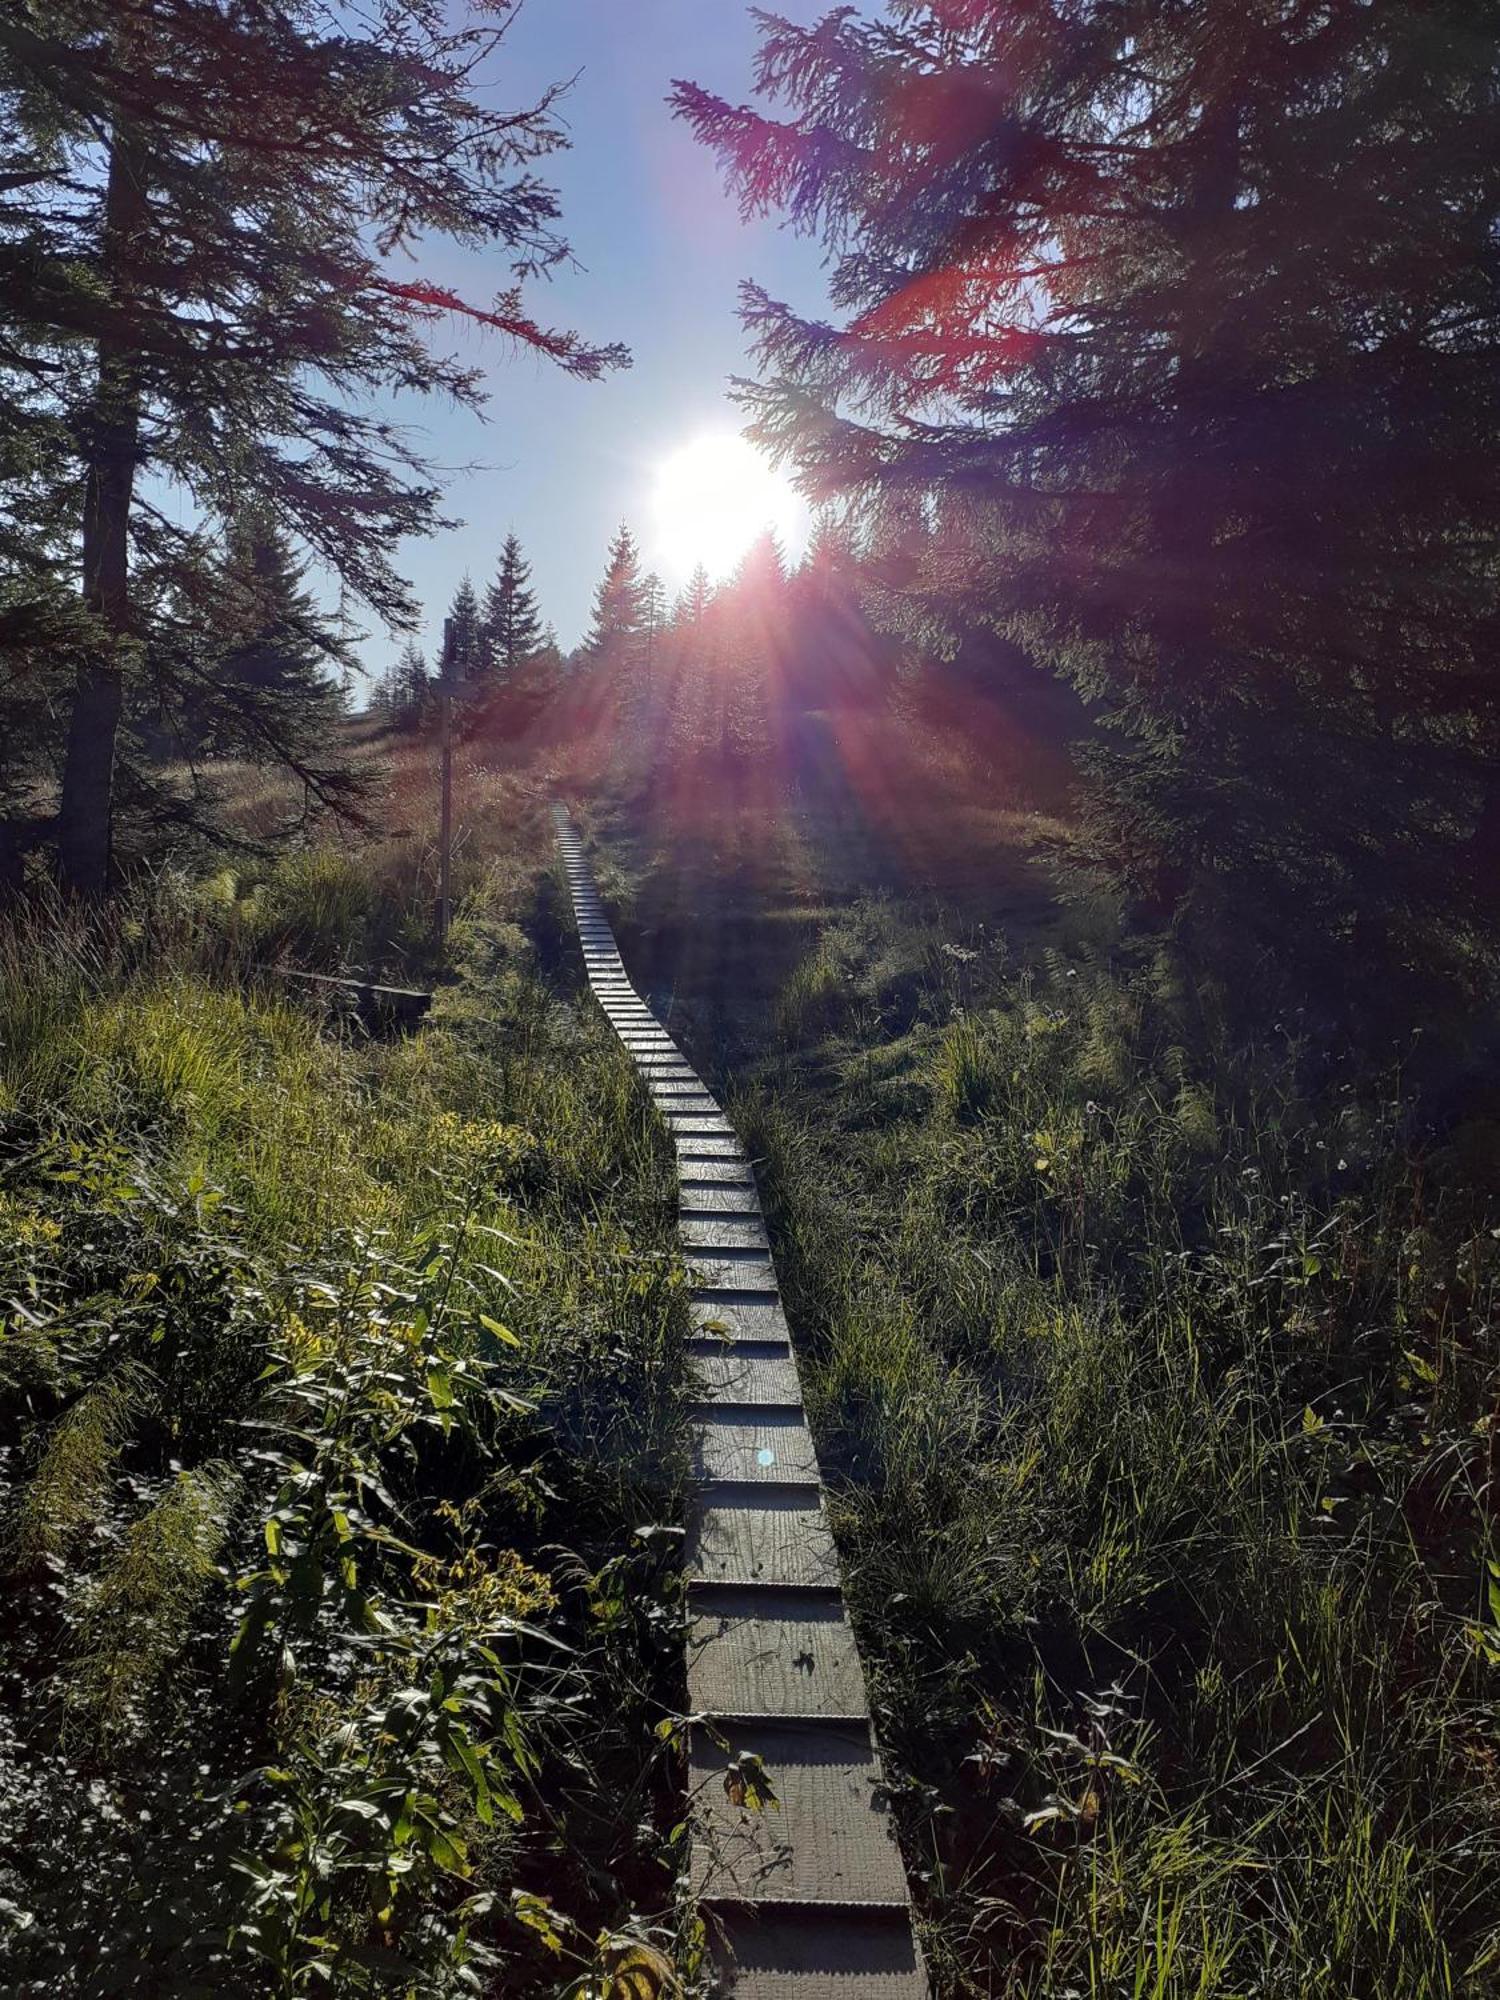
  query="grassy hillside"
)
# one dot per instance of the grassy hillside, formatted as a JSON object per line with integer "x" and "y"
{"x": 340, "y": 1384}
{"x": 1154, "y": 1369}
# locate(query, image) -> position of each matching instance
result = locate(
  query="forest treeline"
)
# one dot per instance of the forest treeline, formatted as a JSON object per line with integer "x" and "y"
{"x": 211, "y": 223}
{"x": 1165, "y": 344}
{"x": 1163, "y": 357}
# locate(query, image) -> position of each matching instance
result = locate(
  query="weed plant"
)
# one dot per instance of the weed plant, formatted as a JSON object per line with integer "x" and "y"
{"x": 340, "y": 1387}
{"x": 1154, "y": 1368}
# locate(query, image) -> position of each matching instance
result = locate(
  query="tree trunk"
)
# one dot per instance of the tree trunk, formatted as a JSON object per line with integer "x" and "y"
{"x": 111, "y": 442}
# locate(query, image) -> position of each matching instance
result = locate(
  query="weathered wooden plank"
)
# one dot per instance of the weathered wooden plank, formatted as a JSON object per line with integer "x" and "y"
{"x": 698, "y": 1171}
{"x": 782, "y": 1953}
{"x": 718, "y": 1231}
{"x": 745, "y": 1270}
{"x": 827, "y": 1839}
{"x": 762, "y": 1534}
{"x": 708, "y": 1146}
{"x": 766, "y": 1652}
{"x": 732, "y": 1316}
{"x": 755, "y": 1443}
{"x": 703, "y": 1197}
{"x": 750, "y": 1371}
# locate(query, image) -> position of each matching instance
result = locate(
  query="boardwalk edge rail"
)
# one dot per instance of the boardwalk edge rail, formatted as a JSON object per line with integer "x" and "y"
{"x": 806, "y": 1899}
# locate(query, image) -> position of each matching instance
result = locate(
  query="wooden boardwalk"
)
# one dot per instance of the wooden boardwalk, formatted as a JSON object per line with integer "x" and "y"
{"x": 806, "y": 1899}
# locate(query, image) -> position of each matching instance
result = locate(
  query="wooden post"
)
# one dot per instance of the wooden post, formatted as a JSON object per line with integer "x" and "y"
{"x": 445, "y": 805}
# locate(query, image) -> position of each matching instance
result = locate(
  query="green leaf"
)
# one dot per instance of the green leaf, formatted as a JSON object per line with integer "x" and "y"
{"x": 501, "y": 1333}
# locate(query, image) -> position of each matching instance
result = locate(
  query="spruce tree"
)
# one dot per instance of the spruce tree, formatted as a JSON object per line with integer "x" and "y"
{"x": 205, "y": 212}
{"x": 1180, "y": 328}
{"x": 271, "y": 692}
{"x": 653, "y": 619}
{"x": 618, "y": 600}
{"x": 694, "y": 600}
{"x": 512, "y": 619}
{"x": 410, "y": 685}
{"x": 466, "y": 641}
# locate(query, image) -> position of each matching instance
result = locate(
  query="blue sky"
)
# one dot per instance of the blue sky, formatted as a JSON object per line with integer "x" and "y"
{"x": 661, "y": 250}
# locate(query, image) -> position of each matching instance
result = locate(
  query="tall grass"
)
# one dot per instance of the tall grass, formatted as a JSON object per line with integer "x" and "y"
{"x": 343, "y": 1376}
{"x": 1155, "y": 1374}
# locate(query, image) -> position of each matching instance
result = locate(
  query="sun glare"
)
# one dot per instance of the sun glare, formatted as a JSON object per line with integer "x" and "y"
{"x": 713, "y": 497}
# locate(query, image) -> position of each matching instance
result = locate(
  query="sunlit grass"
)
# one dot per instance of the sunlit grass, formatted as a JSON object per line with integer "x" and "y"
{"x": 1152, "y": 1385}
{"x": 367, "y": 1350}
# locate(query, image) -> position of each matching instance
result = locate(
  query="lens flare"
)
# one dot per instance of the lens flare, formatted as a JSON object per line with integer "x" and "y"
{"x": 712, "y": 498}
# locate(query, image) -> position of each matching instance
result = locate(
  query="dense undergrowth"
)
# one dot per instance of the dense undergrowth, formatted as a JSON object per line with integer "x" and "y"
{"x": 339, "y": 1380}
{"x": 1154, "y": 1366}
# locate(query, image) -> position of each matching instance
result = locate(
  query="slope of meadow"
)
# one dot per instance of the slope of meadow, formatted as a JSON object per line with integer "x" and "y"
{"x": 340, "y": 1382}
{"x": 1149, "y": 1339}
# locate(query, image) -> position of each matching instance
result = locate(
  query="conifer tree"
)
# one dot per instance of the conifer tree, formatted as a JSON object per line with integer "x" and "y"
{"x": 511, "y": 616}
{"x": 694, "y": 600}
{"x": 653, "y": 619}
{"x": 204, "y": 212}
{"x": 618, "y": 600}
{"x": 408, "y": 686}
{"x": 271, "y": 691}
{"x": 466, "y": 642}
{"x": 1180, "y": 327}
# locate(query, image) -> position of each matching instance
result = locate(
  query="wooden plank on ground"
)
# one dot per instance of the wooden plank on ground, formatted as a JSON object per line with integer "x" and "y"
{"x": 772, "y": 1653}
{"x": 734, "y": 1270}
{"x": 786, "y": 1954}
{"x": 747, "y": 1372}
{"x": 728, "y": 1198}
{"x": 756, "y": 1444}
{"x": 828, "y": 1838}
{"x": 762, "y": 1534}
{"x": 727, "y": 1317}
{"x": 719, "y": 1232}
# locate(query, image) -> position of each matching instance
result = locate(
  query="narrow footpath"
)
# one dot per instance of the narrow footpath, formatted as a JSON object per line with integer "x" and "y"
{"x": 806, "y": 1897}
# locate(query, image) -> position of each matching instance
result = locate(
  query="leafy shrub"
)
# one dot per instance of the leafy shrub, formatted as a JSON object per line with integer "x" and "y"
{"x": 342, "y": 1376}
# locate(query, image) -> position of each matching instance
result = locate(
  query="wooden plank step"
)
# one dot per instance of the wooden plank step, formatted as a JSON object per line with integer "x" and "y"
{"x": 731, "y": 1316}
{"x": 702, "y": 1198}
{"x": 721, "y": 1231}
{"x": 695, "y": 1146}
{"x": 742, "y": 1270}
{"x": 785, "y": 1953}
{"x": 719, "y": 1169}
{"x": 749, "y": 1442}
{"x": 761, "y": 1534}
{"x": 772, "y": 1652}
{"x": 750, "y": 1371}
{"x": 828, "y": 1838}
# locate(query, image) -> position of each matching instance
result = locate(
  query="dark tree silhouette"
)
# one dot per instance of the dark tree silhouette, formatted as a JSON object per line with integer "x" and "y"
{"x": 466, "y": 639}
{"x": 1171, "y": 336}
{"x": 618, "y": 600}
{"x": 511, "y": 616}
{"x": 200, "y": 205}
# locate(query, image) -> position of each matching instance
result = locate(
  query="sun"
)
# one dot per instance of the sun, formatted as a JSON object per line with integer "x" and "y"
{"x": 713, "y": 497}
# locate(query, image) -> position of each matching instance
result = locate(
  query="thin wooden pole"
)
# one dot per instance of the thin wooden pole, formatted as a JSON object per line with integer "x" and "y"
{"x": 445, "y": 797}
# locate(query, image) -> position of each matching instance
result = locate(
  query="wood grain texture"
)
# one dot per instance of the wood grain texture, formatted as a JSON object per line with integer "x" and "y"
{"x": 781, "y": 1953}
{"x": 746, "y": 1372}
{"x": 827, "y": 1839}
{"x": 773, "y": 1447}
{"x": 733, "y": 1316}
{"x": 739, "y": 1232}
{"x": 761, "y": 1534}
{"x": 773, "y": 1653}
